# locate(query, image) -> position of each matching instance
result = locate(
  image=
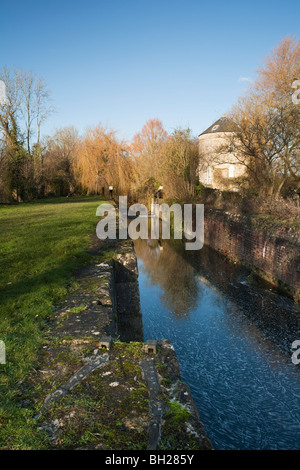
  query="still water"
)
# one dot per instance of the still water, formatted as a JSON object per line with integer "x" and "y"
{"x": 233, "y": 340}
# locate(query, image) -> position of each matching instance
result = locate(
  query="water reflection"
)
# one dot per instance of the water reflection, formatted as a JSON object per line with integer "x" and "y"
{"x": 176, "y": 277}
{"x": 233, "y": 340}
{"x": 184, "y": 277}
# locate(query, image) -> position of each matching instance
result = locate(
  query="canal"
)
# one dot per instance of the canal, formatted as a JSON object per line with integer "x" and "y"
{"x": 233, "y": 338}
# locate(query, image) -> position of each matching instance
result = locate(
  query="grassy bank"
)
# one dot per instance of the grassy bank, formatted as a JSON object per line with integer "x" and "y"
{"x": 41, "y": 244}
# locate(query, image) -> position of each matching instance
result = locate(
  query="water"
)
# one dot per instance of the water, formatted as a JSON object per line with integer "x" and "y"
{"x": 233, "y": 340}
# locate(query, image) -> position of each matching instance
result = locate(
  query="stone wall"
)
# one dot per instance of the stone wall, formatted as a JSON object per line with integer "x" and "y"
{"x": 126, "y": 287}
{"x": 270, "y": 250}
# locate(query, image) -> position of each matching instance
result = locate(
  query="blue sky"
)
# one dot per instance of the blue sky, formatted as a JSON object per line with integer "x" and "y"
{"x": 120, "y": 63}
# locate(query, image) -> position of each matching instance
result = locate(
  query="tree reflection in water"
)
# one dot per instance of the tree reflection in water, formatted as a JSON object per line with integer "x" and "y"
{"x": 172, "y": 273}
{"x": 233, "y": 337}
{"x": 188, "y": 279}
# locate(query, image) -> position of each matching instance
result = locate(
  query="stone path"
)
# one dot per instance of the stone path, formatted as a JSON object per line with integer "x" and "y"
{"x": 89, "y": 310}
{"x": 93, "y": 364}
{"x": 156, "y": 405}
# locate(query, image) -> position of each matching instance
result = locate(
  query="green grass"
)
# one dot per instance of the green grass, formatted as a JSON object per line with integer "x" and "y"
{"x": 41, "y": 245}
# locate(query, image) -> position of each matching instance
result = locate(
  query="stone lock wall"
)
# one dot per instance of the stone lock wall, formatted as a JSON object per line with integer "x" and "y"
{"x": 272, "y": 252}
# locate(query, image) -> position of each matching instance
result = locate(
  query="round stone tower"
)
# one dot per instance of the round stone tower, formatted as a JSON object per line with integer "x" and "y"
{"x": 218, "y": 163}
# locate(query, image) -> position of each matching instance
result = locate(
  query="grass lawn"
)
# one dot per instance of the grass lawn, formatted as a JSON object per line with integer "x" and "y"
{"x": 41, "y": 244}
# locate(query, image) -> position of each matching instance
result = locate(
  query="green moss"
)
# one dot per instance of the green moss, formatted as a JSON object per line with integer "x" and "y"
{"x": 177, "y": 413}
{"x": 132, "y": 350}
{"x": 107, "y": 255}
{"x": 93, "y": 413}
{"x": 67, "y": 357}
{"x": 78, "y": 309}
{"x": 166, "y": 382}
{"x": 174, "y": 434}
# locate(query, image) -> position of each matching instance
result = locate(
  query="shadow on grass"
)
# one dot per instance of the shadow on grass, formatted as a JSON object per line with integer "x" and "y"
{"x": 41, "y": 289}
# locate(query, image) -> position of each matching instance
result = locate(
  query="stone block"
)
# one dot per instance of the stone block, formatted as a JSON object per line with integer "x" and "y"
{"x": 105, "y": 342}
{"x": 151, "y": 346}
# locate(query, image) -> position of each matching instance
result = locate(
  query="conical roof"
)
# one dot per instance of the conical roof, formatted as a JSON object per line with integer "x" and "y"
{"x": 224, "y": 124}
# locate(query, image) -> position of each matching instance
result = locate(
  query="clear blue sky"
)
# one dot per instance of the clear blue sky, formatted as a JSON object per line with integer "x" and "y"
{"x": 120, "y": 63}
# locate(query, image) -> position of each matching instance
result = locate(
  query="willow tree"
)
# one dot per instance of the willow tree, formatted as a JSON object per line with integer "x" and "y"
{"x": 145, "y": 149}
{"x": 102, "y": 161}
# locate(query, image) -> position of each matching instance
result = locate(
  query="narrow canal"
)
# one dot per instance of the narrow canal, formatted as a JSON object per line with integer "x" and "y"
{"x": 233, "y": 338}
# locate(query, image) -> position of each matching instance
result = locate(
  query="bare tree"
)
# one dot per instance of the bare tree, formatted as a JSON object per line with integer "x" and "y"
{"x": 27, "y": 103}
{"x": 56, "y": 168}
{"x": 179, "y": 159}
{"x": 10, "y": 107}
{"x": 268, "y": 140}
{"x": 23, "y": 101}
{"x": 26, "y": 83}
{"x": 42, "y": 105}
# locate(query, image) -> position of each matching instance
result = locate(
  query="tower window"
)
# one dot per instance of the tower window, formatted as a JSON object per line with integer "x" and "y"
{"x": 209, "y": 175}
